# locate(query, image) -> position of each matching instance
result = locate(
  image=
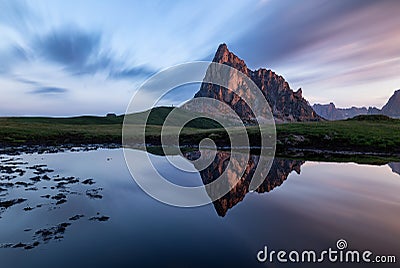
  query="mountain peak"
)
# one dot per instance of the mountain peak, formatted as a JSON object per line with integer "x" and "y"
{"x": 224, "y": 56}
{"x": 286, "y": 105}
{"x": 222, "y": 47}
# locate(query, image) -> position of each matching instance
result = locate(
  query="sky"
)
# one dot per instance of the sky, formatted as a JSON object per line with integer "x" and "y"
{"x": 63, "y": 58}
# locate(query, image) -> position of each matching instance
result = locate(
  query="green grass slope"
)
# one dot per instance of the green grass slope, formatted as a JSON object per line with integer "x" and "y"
{"x": 362, "y": 134}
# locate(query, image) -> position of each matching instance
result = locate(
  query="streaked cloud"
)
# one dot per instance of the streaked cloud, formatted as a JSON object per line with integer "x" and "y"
{"x": 100, "y": 52}
{"x": 48, "y": 90}
{"x": 71, "y": 47}
{"x": 134, "y": 72}
{"x": 330, "y": 47}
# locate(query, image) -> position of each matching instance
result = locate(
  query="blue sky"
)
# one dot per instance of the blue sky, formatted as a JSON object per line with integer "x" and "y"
{"x": 88, "y": 57}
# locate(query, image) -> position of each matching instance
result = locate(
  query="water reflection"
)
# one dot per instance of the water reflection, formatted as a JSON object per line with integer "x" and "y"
{"x": 36, "y": 187}
{"x": 280, "y": 170}
{"x": 395, "y": 166}
{"x": 327, "y": 201}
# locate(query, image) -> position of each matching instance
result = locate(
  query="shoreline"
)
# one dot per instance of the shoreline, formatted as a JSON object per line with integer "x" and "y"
{"x": 371, "y": 136}
{"x": 318, "y": 155}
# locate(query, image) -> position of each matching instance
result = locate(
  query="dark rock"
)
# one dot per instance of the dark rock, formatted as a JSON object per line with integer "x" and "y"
{"x": 22, "y": 183}
{"x": 76, "y": 217}
{"x": 35, "y": 179}
{"x": 40, "y": 171}
{"x": 88, "y": 181}
{"x": 62, "y": 201}
{"x": 33, "y": 245}
{"x": 37, "y": 166}
{"x": 58, "y": 196}
{"x": 19, "y": 245}
{"x": 9, "y": 203}
{"x": 52, "y": 232}
{"x": 63, "y": 181}
{"x": 99, "y": 218}
{"x": 46, "y": 178}
{"x": 31, "y": 189}
{"x": 7, "y": 184}
{"x": 94, "y": 193}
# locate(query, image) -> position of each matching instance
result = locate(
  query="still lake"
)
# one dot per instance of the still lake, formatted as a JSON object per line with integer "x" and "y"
{"x": 83, "y": 209}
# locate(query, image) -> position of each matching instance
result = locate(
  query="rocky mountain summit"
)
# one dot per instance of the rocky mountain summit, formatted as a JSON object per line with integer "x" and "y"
{"x": 286, "y": 105}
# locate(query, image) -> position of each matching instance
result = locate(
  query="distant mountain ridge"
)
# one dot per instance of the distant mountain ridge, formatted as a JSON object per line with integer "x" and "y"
{"x": 286, "y": 104}
{"x": 331, "y": 112}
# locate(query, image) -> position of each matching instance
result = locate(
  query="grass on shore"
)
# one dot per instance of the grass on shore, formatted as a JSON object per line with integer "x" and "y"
{"x": 363, "y": 134}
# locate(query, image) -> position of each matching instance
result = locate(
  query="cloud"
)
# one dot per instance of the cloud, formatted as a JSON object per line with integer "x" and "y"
{"x": 329, "y": 48}
{"x": 75, "y": 49}
{"x": 341, "y": 34}
{"x": 48, "y": 90}
{"x": 26, "y": 81}
{"x": 17, "y": 14}
{"x": 134, "y": 72}
{"x": 80, "y": 52}
{"x": 290, "y": 27}
{"x": 11, "y": 56}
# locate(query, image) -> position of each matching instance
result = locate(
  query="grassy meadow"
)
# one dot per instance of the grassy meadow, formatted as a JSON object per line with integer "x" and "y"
{"x": 369, "y": 134}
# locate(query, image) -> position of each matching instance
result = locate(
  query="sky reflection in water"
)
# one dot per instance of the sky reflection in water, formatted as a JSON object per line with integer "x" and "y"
{"x": 300, "y": 205}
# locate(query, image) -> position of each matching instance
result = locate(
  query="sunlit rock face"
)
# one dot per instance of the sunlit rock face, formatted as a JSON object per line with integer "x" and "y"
{"x": 286, "y": 105}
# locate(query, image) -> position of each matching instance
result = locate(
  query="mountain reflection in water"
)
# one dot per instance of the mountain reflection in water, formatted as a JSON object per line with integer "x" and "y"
{"x": 102, "y": 212}
{"x": 280, "y": 170}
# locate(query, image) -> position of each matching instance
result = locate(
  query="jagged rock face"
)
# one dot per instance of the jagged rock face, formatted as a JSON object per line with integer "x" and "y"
{"x": 286, "y": 105}
{"x": 330, "y": 112}
{"x": 280, "y": 170}
{"x": 392, "y": 107}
